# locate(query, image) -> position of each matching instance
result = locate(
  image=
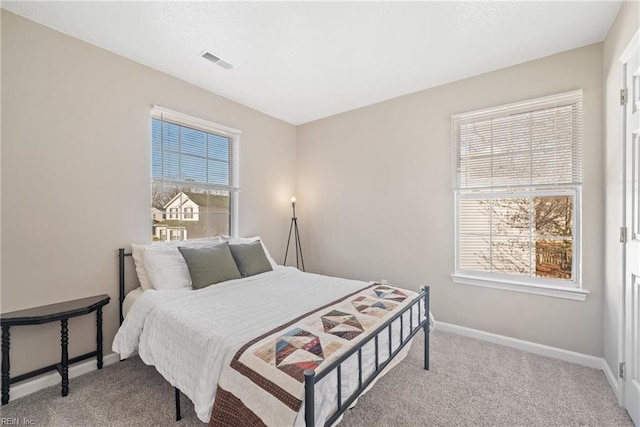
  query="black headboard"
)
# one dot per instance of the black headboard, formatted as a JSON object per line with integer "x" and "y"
{"x": 121, "y": 255}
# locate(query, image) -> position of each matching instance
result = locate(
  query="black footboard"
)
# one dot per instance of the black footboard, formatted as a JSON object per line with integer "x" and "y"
{"x": 311, "y": 378}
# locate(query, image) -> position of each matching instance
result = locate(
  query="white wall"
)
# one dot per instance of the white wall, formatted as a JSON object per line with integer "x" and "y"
{"x": 375, "y": 199}
{"x": 624, "y": 27}
{"x": 76, "y": 175}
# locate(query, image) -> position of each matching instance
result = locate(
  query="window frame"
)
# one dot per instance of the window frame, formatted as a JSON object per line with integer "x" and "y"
{"x": 188, "y": 213}
{"x": 570, "y": 289}
{"x": 233, "y": 135}
{"x": 561, "y": 288}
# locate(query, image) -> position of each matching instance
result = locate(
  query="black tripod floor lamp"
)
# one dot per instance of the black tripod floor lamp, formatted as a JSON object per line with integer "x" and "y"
{"x": 294, "y": 228}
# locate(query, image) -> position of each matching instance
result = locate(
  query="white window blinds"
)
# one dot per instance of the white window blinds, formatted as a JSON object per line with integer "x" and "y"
{"x": 190, "y": 151}
{"x": 536, "y": 143}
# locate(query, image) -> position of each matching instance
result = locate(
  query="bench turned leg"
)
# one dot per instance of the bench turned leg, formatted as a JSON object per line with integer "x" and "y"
{"x": 99, "y": 337}
{"x": 64, "y": 341}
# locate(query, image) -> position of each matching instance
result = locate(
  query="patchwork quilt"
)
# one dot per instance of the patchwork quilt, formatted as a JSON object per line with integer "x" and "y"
{"x": 264, "y": 382}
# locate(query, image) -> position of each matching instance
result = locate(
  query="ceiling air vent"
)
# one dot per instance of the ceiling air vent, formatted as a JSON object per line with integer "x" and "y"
{"x": 217, "y": 60}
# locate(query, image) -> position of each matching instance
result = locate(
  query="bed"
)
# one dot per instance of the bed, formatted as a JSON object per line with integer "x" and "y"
{"x": 281, "y": 347}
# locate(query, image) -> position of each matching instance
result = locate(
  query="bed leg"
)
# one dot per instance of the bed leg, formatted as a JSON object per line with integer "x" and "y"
{"x": 426, "y": 346}
{"x": 121, "y": 290}
{"x": 426, "y": 329}
{"x": 178, "y": 414}
{"x": 309, "y": 399}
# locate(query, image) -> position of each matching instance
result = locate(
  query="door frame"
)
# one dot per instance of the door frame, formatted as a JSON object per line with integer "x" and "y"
{"x": 632, "y": 47}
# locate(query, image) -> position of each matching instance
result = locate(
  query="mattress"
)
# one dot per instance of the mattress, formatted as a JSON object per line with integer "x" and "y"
{"x": 130, "y": 299}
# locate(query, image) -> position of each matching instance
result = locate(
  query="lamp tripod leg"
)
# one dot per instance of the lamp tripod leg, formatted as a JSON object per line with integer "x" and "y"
{"x": 288, "y": 241}
{"x": 298, "y": 247}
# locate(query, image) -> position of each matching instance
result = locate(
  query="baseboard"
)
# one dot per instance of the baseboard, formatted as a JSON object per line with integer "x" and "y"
{"x": 612, "y": 378}
{"x": 47, "y": 380}
{"x": 531, "y": 347}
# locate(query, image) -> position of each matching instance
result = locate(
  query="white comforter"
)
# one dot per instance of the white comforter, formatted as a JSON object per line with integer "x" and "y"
{"x": 190, "y": 335}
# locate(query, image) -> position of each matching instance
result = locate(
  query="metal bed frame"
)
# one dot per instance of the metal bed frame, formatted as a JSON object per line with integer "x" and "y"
{"x": 310, "y": 376}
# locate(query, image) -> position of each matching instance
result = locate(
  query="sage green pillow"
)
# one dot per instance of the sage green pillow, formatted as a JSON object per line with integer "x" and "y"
{"x": 210, "y": 265}
{"x": 250, "y": 258}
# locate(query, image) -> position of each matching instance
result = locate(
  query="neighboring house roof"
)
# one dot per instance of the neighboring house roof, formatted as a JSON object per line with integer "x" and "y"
{"x": 200, "y": 199}
{"x": 173, "y": 199}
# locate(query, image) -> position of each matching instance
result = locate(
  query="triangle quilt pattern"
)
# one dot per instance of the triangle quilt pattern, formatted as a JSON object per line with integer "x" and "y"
{"x": 296, "y": 351}
{"x": 384, "y": 292}
{"x": 373, "y": 307}
{"x": 343, "y": 325}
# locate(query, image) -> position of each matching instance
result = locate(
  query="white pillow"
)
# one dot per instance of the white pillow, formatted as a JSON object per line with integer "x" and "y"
{"x": 138, "y": 254}
{"x": 253, "y": 239}
{"x": 166, "y": 268}
{"x": 149, "y": 261}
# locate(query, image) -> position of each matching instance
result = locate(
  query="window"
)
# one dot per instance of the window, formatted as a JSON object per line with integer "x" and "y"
{"x": 517, "y": 184}
{"x": 194, "y": 177}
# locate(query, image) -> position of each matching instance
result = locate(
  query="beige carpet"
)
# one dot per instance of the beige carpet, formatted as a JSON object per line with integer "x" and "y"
{"x": 471, "y": 383}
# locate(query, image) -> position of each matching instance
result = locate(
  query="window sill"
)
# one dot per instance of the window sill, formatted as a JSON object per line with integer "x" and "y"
{"x": 550, "y": 291}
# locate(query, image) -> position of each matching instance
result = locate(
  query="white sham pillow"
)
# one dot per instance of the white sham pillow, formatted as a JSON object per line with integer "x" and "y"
{"x": 253, "y": 239}
{"x": 137, "y": 252}
{"x": 164, "y": 252}
{"x": 166, "y": 268}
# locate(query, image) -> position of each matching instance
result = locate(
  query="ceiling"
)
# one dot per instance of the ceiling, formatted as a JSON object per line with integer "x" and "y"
{"x": 301, "y": 61}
